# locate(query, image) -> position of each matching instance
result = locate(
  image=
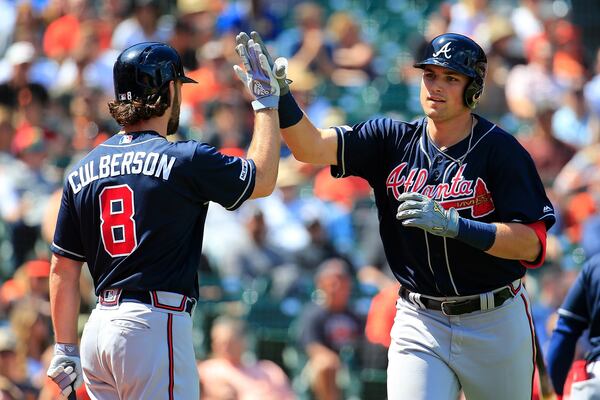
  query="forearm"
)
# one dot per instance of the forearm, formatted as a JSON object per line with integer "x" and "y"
{"x": 264, "y": 151}
{"x": 64, "y": 298}
{"x": 515, "y": 241}
{"x": 311, "y": 145}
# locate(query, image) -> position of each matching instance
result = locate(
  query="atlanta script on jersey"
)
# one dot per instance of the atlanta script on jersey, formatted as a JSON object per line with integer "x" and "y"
{"x": 144, "y": 171}
{"x": 487, "y": 176}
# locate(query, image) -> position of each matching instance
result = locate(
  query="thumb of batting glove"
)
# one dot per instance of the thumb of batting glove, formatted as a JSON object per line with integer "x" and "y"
{"x": 65, "y": 369}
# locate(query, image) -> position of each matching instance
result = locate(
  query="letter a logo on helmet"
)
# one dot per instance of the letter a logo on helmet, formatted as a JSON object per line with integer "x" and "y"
{"x": 445, "y": 49}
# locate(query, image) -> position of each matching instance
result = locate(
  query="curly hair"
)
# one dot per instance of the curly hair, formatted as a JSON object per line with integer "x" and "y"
{"x": 136, "y": 111}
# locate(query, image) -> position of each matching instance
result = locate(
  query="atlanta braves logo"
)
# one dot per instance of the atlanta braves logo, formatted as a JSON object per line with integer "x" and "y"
{"x": 459, "y": 193}
{"x": 445, "y": 49}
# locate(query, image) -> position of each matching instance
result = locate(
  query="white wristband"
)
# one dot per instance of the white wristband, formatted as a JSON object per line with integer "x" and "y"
{"x": 67, "y": 349}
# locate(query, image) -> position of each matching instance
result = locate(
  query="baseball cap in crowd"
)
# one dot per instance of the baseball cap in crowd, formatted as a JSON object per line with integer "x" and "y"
{"x": 8, "y": 342}
{"x": 20, "y": 53}
{"x": 37, "y": 268}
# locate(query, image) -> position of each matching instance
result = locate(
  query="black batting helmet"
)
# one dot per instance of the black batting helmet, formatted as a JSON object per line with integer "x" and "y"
{"x": 461, "y": 54}
{"x": 143, "y": 71}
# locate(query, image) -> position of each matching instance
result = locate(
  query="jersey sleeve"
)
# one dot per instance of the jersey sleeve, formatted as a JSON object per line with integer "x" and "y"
{"x": 361, "y": 148}
{"x": 574, "y": 306}
{"x": 67, "y": 236}
{"x": 226, "y": 180}
{"x": 518, "y": 192}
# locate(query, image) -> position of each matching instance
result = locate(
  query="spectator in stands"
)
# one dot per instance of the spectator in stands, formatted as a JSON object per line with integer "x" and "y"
{"x": 549, "y": 153}
{"x": 30, "y": 322}
{"x": 11, "y": 368}
{"x": 380, "y": 320}
{"x": 144, "y": 26}
{"x": 329, "y": 327}
{"x": 527, "y": 19}
{"x": 536, "y": 74}
{"x": 257, "y": 256}
{"x": 228, "y": 375}
{"x": 572, "y": 121}
{"x": 20, "y": 56}
{"x": 31, "y": 182}
{"x": 217, "y": 81}
{"x": 352, "y": 55}
{"x": 308, "y": 45}
{"x": 469, "y": 17}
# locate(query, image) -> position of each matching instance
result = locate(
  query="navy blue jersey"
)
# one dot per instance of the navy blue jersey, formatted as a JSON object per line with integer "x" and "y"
{"x": 581, "y": 307}
{"x": 134, "y": 210}
{"x": 488, "y": 177}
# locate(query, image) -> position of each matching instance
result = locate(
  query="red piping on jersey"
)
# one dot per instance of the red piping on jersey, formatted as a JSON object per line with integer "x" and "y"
{"x": 170, "y": 346}
{"x": 532, "y": 339}
{"x": 539, "y": 228}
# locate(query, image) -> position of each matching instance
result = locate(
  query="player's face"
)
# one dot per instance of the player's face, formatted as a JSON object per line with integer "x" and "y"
{"x": 442, "y": 93}
{"x": 173, "y": 123}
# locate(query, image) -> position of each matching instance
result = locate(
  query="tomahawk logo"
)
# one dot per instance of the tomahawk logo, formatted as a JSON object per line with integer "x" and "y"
{"x": 445, "y": 50}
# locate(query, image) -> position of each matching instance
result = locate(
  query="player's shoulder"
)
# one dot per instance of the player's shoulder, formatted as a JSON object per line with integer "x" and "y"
{"x": 496, "y": 136}
{"x": 592, "y": 268}
{"x": 384, "y": 126}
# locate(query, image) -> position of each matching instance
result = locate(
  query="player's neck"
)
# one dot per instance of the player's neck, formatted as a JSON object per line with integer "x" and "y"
{"x": 157, "y": 124}
{"x": 449, "y": 132}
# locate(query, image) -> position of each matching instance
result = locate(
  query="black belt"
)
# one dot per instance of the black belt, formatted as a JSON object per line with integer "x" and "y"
{"x": 458, "y": 307}
{"x": 146, "y": 298}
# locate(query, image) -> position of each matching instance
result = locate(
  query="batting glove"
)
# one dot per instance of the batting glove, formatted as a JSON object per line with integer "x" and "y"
{"x": 279, "y": 66}
{"x": 422, "y": 212}
{"x": 65, "y": 368}
{"x": 258, "y": 77}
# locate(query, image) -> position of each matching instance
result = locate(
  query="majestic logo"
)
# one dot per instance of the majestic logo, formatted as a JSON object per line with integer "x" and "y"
{"x": 445, "y": 50}
{"x": 459, "y": 192}
{"x": 547, "y": 209}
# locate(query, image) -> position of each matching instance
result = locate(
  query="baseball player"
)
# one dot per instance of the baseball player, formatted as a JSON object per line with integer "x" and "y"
{"x": 579, "y": 311}
{"x": 462, "y": 214}
{"x": 134, "y": 210}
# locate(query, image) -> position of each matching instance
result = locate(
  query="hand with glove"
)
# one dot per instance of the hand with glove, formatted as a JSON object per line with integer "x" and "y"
{"x": 278, "y": 67}
{"x": 65, "y": 368}
{"x": 258, "y": 76}
{"x": 420, "y": 211}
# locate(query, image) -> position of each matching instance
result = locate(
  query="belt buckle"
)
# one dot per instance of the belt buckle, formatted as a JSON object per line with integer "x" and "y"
{"x": 445, "y": 303}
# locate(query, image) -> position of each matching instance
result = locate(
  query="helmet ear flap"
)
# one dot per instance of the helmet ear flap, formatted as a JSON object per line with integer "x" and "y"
{"x": 474, "y": 89}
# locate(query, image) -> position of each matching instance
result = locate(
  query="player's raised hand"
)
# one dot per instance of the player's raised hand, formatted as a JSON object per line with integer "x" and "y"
{"x": 420, "y": 211}
{"x": 66, "y": 372}
{"x": 279, "y": 66}
{"x": 257, "y": 76}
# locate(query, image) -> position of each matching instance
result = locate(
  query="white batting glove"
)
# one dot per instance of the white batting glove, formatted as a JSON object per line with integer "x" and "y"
{"x": 65, "y": 368}
{"x": 258, "y": 76}
{"x": 279, "y": 66}
{"x": 420, "y": 211}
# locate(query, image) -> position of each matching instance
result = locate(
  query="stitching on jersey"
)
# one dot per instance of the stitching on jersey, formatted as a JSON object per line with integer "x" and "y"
{"x": 421, "y": 145}
{"x": 429, "y": 261}
{"x": 130, "y": 144}
{"x": 448, "y": 267}
{"x": 67, "y": 251}
{"x": 566, "y": 313}
{"x": 245, "y": 189}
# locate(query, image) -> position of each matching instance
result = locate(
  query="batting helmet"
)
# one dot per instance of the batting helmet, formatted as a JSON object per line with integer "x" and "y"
{"x": 461, "y": 54}
{"x": 143, "y": 71}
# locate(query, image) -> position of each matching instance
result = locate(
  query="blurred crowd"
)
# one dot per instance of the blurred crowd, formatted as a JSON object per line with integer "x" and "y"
{"x": 296, "y": 296}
